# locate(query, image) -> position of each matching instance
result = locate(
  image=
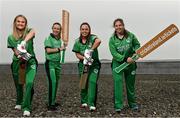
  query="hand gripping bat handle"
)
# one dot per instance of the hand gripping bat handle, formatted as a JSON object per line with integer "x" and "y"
{"x": 125, "y": 64}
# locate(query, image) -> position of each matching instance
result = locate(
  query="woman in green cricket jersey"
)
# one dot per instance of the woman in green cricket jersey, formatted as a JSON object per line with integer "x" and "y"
{"x": 24, "y": 36}
{"x": 52, "y": 65}
{"x": 90, "y": 42}
{"x": 123, "y": 44}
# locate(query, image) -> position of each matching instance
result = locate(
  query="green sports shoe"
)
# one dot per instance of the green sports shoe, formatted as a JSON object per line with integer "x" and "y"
{"x": 134, "y": 107}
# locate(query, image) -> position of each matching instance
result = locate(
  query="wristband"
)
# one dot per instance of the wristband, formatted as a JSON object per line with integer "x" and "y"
{"x": 58, "y": 49}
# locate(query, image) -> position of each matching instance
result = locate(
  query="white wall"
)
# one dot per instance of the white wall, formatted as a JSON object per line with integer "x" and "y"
{"x": 144, "y": 18}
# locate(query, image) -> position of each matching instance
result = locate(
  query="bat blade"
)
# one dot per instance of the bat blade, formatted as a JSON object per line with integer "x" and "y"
{"x": 84, "y": 77}
{"x": 65, "y": 26}
{"x": 22, "y": 73}
{"x": 151, "y": 45}
{"x": 65, "y": 31}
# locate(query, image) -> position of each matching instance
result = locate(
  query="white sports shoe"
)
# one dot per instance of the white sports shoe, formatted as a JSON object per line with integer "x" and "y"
{"x": 18, "y": 107}
{"x": 84, "y": 105}
{"x": 26, "y": 113}
{"x": 92, "y": 108}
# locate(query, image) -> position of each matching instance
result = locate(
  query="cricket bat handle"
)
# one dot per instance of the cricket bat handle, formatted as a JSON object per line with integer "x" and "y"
{"x": 63, "y": 56}
{"x": 63, "y": 53}
{"x": 125, "y": 64}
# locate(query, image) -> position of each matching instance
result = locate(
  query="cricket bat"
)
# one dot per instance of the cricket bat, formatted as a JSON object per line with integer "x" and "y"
{"x": 65, "y": 31}
{"x": 22, "y": 72}
{"x": 84, "y": 77}
{"x": 151, "y": 45}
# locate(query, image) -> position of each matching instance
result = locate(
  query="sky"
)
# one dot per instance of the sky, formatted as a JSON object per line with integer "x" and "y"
{"x": 144, "y": 18}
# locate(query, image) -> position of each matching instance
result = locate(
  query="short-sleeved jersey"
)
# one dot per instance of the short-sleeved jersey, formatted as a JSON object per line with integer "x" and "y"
{"x": 121, "y": 49}
{"x": 52, "y": 42}
{"x": 79, "y": 47}
{"x": 12, "y": 42}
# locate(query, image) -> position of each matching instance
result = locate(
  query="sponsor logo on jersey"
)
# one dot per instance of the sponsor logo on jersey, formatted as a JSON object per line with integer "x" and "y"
{"x": 116, "y": 43}
{"x": 123, "y": 48}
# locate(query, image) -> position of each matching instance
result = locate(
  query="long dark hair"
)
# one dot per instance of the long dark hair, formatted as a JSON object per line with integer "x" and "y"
{"x": 118, "y": 19}
{"x": 122, "y": 22}
{"x": 85, "y": 23}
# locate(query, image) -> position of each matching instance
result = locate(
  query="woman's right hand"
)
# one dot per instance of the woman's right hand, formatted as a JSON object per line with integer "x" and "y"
{"x": 130, "y": 60}
{"x": 62, "y": 48}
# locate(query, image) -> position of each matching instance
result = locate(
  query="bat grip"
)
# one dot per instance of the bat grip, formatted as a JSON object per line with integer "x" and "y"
{"x": 63, "y": 56}
{"x": 135, "y": 57}
{"x": 63, "y": 52}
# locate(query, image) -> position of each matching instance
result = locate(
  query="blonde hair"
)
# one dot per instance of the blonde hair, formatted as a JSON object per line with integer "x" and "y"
{"x": 15, "y": 32}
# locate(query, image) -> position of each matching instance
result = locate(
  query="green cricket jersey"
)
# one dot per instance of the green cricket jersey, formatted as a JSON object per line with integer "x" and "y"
{"x": 12, "y": 42}
{"x": 52, "y": 42}
{"x": 123, "y": 48}
{"x": 79, "y": 47}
